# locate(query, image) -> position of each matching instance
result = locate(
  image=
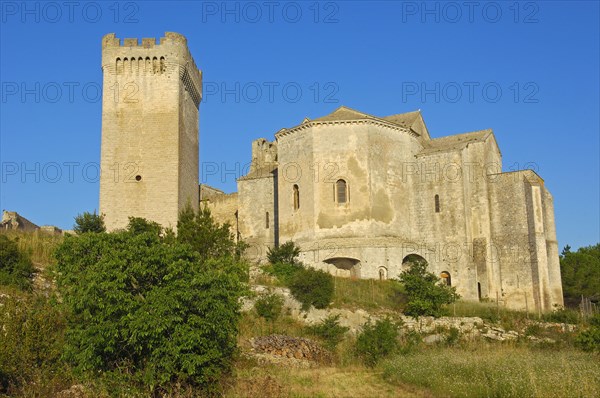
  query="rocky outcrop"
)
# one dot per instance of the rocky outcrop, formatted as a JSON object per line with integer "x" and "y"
{"x": 468, "y": 327}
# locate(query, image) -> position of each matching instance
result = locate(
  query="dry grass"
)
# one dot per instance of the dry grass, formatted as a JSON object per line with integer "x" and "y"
{"x": 498, "y": 371}
{"x": 39, "y": 245}
{"x": 252, "y": 325}
{"x": 367, "y": 294}
{"x": 326, "y": 382}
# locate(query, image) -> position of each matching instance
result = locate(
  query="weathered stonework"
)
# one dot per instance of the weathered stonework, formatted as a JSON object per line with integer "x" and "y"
{"x": 149, "y": 161}
{"x": 361, "y": 195}
{"x": 488, "y": 233}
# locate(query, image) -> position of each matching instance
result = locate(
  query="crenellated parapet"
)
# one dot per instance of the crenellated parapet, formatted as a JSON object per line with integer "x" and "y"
{"x": 131, "y": 58}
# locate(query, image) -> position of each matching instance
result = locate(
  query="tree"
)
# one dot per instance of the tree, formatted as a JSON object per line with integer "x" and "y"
{"x": 89, "y": 222}
{"x": 580, "y": 271}
{"x": 205, "y": 236}
{"x": 153, "y": 308}
{"x": 287, "y": 253}
{"x": 16, "y": 268}
{"x": 425, "y": 292}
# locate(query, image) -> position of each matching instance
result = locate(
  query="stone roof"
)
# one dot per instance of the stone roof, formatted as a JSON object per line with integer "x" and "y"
{"x": 344, "y": 113}
{"x": 454, "y": 142}
{"x": 405, "y": 120}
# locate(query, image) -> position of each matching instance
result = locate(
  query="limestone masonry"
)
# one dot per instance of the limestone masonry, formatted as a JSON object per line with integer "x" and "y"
{"x": 361, "y": 195}
{"x": 151, "y": 94}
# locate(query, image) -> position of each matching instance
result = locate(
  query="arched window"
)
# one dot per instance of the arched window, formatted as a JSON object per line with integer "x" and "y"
{"x": 296, "y": 197}
{"x": 341, "y": 191}
{"x": 267, "y": 220}
{"x": 382, "y": 273}
{"x": 437, "y": 203}
{"x": 446, "y": 278}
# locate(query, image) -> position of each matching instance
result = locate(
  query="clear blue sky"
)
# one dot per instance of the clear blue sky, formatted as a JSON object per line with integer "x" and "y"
{"x": 447, "y": 59}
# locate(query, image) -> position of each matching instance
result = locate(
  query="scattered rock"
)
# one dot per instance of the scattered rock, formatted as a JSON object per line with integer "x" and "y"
{"x": 75, "y": 391}
{"x": 433, "y": 339}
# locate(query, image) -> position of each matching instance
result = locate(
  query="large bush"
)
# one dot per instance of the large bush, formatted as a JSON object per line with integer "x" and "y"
{"x": 160, "y": 310}
{"x": 425, "y": 293}
{"x": 16, "y": 268}
{"x": 312, "y": 287}
{"x": 376, "y": 341}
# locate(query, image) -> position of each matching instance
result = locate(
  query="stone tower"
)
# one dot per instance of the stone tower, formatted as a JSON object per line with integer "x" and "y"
{"x": 149, "y": 159}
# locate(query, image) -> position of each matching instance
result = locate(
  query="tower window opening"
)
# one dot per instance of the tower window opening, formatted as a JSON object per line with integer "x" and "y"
{"x": 267, "y": 220}
{"x": 296, "y": 197}
{"x": 437, "y": 203}
{"x": 138, "y": 177}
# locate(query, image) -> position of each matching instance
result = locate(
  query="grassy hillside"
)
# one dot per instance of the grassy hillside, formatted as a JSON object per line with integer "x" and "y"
{"x": 34, "y": 329}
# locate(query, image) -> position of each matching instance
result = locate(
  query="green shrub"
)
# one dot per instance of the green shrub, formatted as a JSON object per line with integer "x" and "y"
{"x": 286, "y": 253}
{"x": 16, "y": 268}
{"x": 89, "y": 222}
{"x": 157, "y": 311}
{"x": 330, "y": 331}
{"x": 312, "y": 287}
{"x": 452, "y": 336}
{"x": 563, "y": 315}
{"x": 589, "y": 339}
{"x": 376, "y": 341}
{"x": 269, "y": 306}
{"x": 283, "y": 271}
{"x": 425, "y": 293}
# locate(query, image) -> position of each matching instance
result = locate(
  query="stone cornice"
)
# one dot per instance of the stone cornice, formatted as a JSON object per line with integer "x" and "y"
{"x": 313, "y": 123}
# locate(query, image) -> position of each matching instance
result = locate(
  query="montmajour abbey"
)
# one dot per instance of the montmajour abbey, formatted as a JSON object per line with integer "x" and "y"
{"x": 386, "y": 192}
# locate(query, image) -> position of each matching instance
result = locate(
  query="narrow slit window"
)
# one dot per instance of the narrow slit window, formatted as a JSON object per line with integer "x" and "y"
{"x": 341, "y": 191}
{"x": 296, "y": 197}
{"x": 267, "y": 220}
{"x": 437, "y": 203}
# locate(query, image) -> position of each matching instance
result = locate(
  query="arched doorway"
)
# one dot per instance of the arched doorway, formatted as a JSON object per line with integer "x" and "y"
{"x": 412, "y": 259}
{"x": 345, "y": 266}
